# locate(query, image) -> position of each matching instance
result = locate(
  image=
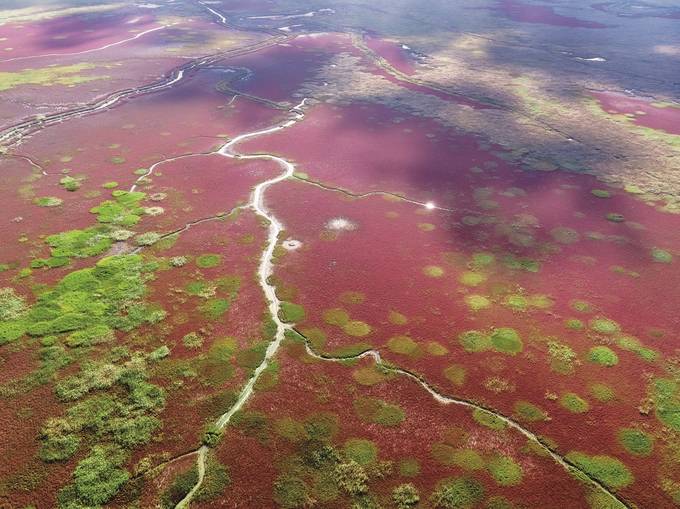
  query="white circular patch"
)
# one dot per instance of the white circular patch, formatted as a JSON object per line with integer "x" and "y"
{"x": 340, "y": 223}
{"x": 291, "y": 244}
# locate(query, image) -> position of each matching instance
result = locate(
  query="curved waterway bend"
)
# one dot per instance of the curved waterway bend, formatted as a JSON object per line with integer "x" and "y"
{"x": 466, "y": 403}
{"x": 265, "y": 270}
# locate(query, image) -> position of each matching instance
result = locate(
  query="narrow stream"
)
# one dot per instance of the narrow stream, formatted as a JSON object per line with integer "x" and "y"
{"x": 265, "y": 270}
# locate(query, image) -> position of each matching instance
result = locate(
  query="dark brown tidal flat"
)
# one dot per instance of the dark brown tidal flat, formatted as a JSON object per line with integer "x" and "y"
{"x": 339, "y": 254}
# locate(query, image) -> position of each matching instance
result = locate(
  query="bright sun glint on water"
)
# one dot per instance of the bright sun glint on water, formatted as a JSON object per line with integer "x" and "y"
{"x": 429, "y": 205}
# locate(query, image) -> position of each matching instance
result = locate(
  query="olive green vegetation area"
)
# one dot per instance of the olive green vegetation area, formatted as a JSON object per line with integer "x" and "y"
{"x": 322, "y": 470}
{"x": 110, "y": 406}
{"x": 48, "y": 76}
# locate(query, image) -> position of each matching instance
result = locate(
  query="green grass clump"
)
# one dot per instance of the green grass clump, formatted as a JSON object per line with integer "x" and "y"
{"x": 66, "y": 75}
{"x": 505, "y": 471}
{"x": 608, "y": 470}
{"x": 517, "y": 302}
{"x": 291, "y": 313}
{"x": 661, "y": 255}
{"x": 602, "y": 392}
{"x": 600, "y": 193}
{"x": 574, "y": 403}
{"x": 148, "y": 238}
{"x": 48, "y": 201}
{"x": 561, "y": 357}
{"x": 252, "y": 357}
{"x": 70, "y": 183}
{"x": 632, "y": 344}
{"x": 603, "y": 355}
{"x": 471, "y": 278}
{"x": 109, "y": 294}
{"x": 211, "y": 436}
{"x": 457, "y": 493}
{"x": 290, "y": 429}
{"x": 377, "y": 411}
{"x": 615, "y": 217}
{"x": 506, "y": 340}
{"x": 396, "y": 318}
{"x": 665, "y": 394}
{"x": 488, "y": 420}
{"x": 467, "y": 459}
{"x": 403, "y": 345}
{"x": 213, "y": 309}
{"x": 124, "y": 210}
{"x": 179, "y": 488}
{"x": 110, "y": 185}
{"x": 291, "y": 492}
{"x": 525, "y": 264}
{"x": 409, "y": 467}
{"x": 573, "y": 324}
{"x": 58, "y": 447}
{"x": 352, "y": 478}
{"x": 99, "y": 476}
{"x": 482, "y": 259}
{"x": 90, "y": 336}
{"x": 433, "y": 271}
{"x": 132, "y": 432}
{"x": 208, "y": 261}
{"x": 214, "y": 483}
{"x": 357, "y": 328}
{"x": 361, "y": 450}
{"x": 371, "y": 375}
{"x": 456, "y": 374}
{"x": 336, "y": 316}
{"x": 635, "y": 441}
{"x": 527, "y": 411}
{"x": 604, "y": 326}
{"x": 477, "y": 302}
{"x": 12, "y": 305}
{"x": 405, "y": 496}
{"x": 581, "y": 306}
{"x": 79, "y": 243}
{"x": 475, "y": 341}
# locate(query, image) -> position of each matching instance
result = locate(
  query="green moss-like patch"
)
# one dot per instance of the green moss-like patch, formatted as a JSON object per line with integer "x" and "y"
{"x": 409, "y": 467}
{"x": 336, "y": 316}
{"x": 632, "y": 344}
{"x": 403, "y": 345}
{"x": 507, "y": 341}
{"x": 470, "y": 278}
{"x": 208, "y": 261}
{"x": 361, "y": 450}
{"x": 124, "y": 210}
{"x": 468, "y": 459}
{"x": 370, "y": 375}
{"x": 457, "y": 493}
{"x": 574, "y": 403}
{"x": 581, "y": 306}
{"x": 608, "y": 470}
{"x": 615, "y": 217}
{"x": 505, "y": 471}
{"x": 561, "y": 357}
{"x": 603, "y": 355}
{"x": 291, "y": 313}
{"x": 48, "y": 201}
{"x": 377, "y": 411}
{"x": 475, "y": 341}
{"x": 600, "y": 193}
{"x": 433, "y": 271}
{"x": 397, "y": 318}
{"x": 635, "y": 441}
{"x": 574, "y": 324}
{"x": 80, "y": 243}
{"x": 517, "y": 302}
{"x": 602, "y": 392}
{"x": 291, "y": 492}
{"x": 477, "y": 302}
{"x": 357, "y": 328}
{"x": 666, "y": 397}
{"x": 604, "y": 326}
{"x": 213, "y": 309}
{"x": 455, "y": 374}
{"x": 489, "y": 420}
{"x": 482, "y": 259}
{"x": 661, "y": 255}
{"x": 529, "y": 412}
{"x": 67, "y": 75}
